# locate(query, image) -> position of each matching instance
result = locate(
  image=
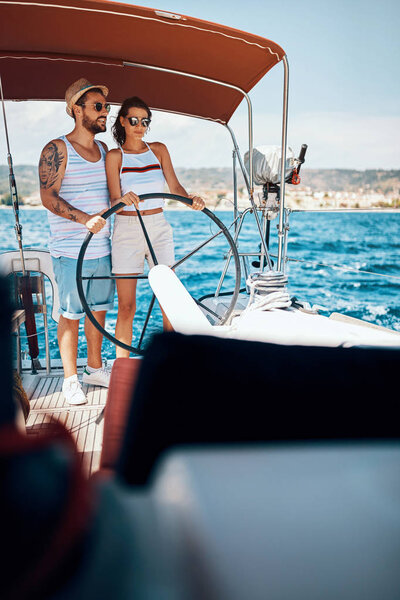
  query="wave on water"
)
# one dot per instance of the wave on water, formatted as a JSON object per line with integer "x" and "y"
{"x": 363, "y": 242}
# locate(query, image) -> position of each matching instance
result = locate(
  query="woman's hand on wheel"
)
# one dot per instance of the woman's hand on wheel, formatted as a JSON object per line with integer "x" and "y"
{"x": 130, "y": 198}
{"x": 197, "y": 202}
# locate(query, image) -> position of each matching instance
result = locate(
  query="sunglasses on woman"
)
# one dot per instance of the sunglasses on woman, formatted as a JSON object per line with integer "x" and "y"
{"x": 98, "y": 106}
{"x": 135, "y": 121}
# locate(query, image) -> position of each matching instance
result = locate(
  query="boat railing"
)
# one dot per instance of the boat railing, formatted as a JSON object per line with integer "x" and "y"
{"x": 268, "y": 211}
{"x": 336, "y": 267}
{"x": 40, "y": 306}
{"x": 42, "y": 286}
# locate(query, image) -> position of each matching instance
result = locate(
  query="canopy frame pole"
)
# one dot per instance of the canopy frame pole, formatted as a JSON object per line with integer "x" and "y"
{"x": 250, "y": 132}
{"x": 236, "y": 147}
{"x": 13, "y": 187}
{"x": 281, "y": 226}
{"x": 235, "y": 190}
{"x": 249, "y": 180}
{"x": 223, "y": 84}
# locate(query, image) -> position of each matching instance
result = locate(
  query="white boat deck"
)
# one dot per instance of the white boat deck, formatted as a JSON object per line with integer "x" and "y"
{"x": 47, "y": 403}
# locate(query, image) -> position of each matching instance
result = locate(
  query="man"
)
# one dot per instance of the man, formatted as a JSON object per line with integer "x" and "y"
{"x": 73, "y": 188}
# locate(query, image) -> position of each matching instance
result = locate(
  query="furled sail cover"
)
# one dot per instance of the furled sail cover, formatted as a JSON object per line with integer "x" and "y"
{"x": 48, "y": 44}
{"x": 267, "y": 164}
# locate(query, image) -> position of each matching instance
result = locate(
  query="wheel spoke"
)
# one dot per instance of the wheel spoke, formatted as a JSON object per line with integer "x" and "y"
{"x": 199, "y": 303}
{"x": 111, "y": 211}
{"x": 149, "y": 311}
{"x": 179, "y": 262}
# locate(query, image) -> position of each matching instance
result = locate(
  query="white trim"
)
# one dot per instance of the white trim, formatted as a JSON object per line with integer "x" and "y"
{"x": 123, "y": 14}
{"x": 116, "y": 63}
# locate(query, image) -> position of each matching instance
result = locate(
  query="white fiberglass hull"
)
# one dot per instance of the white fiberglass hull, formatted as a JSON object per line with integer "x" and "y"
{"x": 278, "y": 326}
{"x": 291, "y": 326}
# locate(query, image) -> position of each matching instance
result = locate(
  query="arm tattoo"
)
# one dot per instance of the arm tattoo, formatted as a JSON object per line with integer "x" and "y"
{"x": 49, "y": 164}
{"x": 71, "y": 215}
{"x": 63, "y": 209}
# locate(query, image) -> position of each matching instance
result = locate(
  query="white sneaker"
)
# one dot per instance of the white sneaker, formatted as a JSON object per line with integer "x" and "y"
{"x": 99, "y": 377}
{"x": 72, "y": 391}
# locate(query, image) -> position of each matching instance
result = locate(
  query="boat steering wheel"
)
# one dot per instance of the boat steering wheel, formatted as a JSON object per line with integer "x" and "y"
{"x": 222, "y": 230}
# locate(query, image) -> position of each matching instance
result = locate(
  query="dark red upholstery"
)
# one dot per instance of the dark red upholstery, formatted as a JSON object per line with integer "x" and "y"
{"x": 201, "y": 390}
{"x": 123, "y": 379}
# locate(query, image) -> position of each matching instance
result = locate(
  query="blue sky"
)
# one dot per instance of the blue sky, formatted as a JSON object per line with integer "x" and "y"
{"x": 344, "y": 88}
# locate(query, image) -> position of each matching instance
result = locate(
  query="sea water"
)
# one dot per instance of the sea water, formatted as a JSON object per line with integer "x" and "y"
{"x": 332, "y": 256}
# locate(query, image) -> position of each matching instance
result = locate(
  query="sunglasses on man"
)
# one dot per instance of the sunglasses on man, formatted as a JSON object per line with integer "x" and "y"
{"x": 135, "y": 121}
{"x": 98, "y": 105}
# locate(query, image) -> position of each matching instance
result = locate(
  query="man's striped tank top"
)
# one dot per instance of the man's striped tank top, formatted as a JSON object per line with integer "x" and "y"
{"x": 142, "y": 174}
{"x": 84, "y": 186}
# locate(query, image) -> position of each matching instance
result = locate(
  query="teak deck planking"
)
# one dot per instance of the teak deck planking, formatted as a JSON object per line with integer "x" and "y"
{"x": 47, "y": 403}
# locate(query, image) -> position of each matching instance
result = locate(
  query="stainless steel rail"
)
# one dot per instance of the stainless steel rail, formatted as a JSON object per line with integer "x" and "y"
{"x": 236, "y": 147}
{"x": 249, "y": 181}
{"x": 281, "y": 227}
{"x": 216, "y": 82}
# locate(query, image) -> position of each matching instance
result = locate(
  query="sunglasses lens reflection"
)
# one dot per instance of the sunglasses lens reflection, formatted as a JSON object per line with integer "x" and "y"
{"x": 135, "y": 121}
{"x": 99, "y": 106}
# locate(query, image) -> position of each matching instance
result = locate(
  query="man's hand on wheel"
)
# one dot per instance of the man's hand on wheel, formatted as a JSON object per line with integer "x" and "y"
{"x": 95, "y": 223}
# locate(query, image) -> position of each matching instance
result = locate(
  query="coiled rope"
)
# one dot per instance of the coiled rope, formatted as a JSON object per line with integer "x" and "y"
{"x": 267, "y": 291}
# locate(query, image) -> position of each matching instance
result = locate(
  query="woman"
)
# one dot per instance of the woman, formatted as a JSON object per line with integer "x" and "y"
{"x": 141, "y": 168}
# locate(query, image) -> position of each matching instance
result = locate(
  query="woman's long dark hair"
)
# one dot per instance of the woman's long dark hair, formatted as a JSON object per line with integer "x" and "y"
{"x": 117, "y": 130}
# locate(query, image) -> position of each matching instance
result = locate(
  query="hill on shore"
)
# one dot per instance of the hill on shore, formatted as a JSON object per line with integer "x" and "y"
{"x": 381, "y": 181}
{"x": 26, "y": 177}
{"x": 386, "y": 182}
{"x": 316, "y": 180}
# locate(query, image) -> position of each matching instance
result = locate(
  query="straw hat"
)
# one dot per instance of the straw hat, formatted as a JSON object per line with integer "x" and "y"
{"x": 77, "y": 89}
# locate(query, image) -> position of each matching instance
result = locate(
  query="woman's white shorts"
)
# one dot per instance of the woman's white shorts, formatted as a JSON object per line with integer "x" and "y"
{"x": 129, "y": 247}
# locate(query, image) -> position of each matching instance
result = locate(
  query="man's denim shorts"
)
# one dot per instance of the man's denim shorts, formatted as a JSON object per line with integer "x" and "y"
{"x": 99, "y": 293}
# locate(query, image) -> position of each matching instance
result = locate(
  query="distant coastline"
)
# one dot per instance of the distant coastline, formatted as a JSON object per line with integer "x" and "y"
{"x": 319, "y": 188}
{"x": 217, "y": 209}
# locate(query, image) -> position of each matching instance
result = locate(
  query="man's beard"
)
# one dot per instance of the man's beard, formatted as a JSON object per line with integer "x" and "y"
{"x": 92, "y": 126}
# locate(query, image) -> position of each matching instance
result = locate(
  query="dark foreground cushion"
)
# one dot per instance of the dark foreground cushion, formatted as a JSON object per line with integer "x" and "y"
{"x": 205, "y": 390}
{"x": 123, "y": 379}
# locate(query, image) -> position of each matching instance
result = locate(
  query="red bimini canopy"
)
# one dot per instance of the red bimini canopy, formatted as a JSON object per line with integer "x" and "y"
{"x": 47, "y": 45}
